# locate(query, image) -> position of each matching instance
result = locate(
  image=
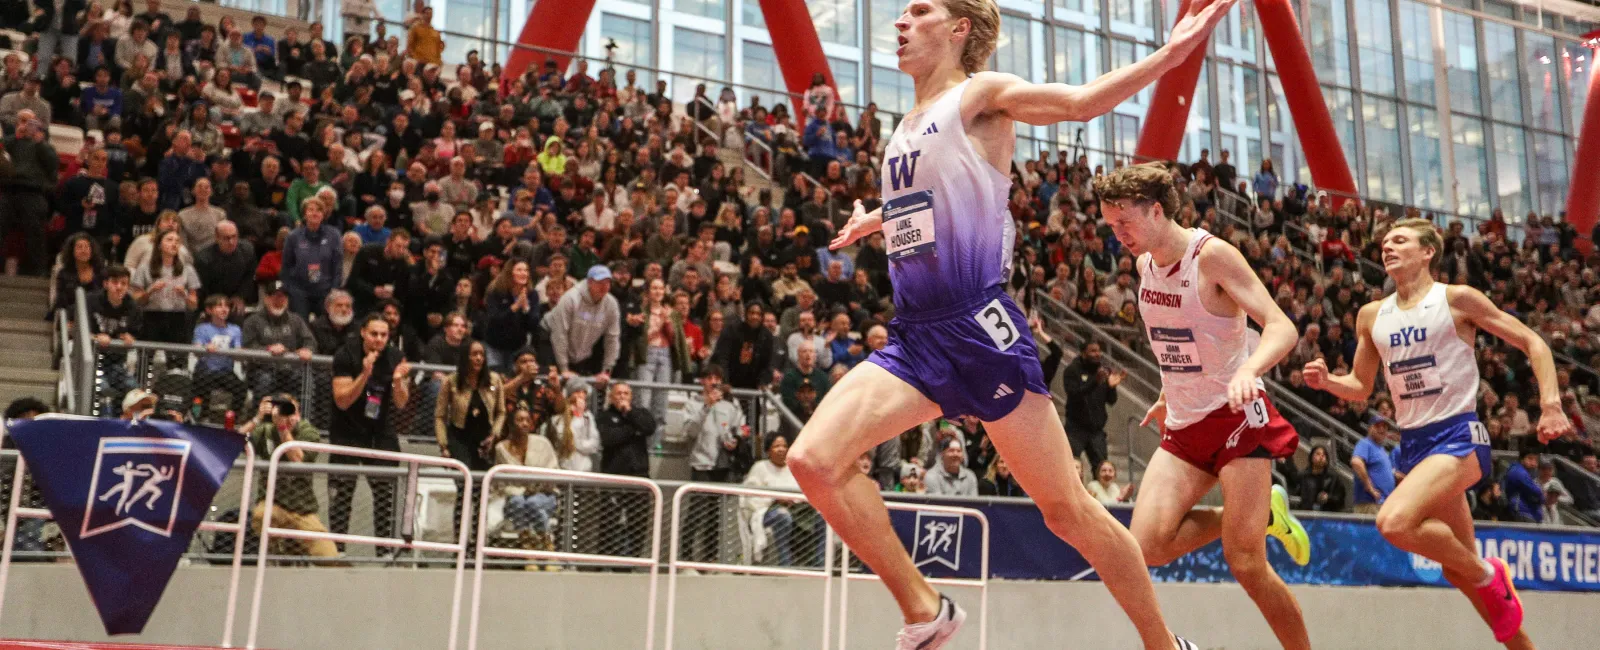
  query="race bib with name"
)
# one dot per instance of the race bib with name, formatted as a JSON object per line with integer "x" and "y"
{"x": 1415, "y": 378}
{"x": 908, "y": 225}
{"x": 1176, "y": 349}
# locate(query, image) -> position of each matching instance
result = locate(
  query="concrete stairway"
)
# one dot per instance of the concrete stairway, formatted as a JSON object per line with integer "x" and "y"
{"x": 25, "y": 341}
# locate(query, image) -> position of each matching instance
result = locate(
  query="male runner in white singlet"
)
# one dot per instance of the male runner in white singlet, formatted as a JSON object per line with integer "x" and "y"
{"x": 1195, "y": 292}
{"x": 958, "y": 344}
{"x": 1423, "y": 335}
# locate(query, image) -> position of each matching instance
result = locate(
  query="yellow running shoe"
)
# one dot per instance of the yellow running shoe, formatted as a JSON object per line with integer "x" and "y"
{"x": 1287, "y": 529}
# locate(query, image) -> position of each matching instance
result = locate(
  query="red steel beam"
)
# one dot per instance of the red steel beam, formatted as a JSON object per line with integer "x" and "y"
{"x": 1309, "y": 110}
{"x": 558, "y": 25}
{"x": 553, "y": 25}
{"x": 1583, "y": 197}
{"x": 798, "y": 49}
{"x": 1164, "y": 124}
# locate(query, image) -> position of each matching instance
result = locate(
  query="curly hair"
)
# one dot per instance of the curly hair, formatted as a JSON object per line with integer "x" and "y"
{"x": 1148, "y": 182}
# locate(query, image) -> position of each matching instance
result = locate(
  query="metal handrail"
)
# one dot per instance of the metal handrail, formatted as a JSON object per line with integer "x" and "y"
{"x": 86, "y": 354}
{"x": 65, "y": 390}
{"x": 1309, "y": 255}
{"x": 754, "y": 143}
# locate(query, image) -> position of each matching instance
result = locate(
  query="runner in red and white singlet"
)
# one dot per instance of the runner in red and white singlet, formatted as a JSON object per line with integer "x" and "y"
{"x": 1195, "y": 292}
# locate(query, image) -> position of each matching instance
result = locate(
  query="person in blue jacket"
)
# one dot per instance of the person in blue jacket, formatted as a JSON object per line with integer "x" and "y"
{"x": 818, "y": 141}
{"x": 313, "y": 259}
{"x": 512, "y": 313}
{"x": 1524, "y": 493}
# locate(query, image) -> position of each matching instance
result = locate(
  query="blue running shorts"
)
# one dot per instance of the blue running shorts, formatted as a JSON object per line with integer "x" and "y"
{"x": 973, "y": 358}
{"x": 1458, "y": 435}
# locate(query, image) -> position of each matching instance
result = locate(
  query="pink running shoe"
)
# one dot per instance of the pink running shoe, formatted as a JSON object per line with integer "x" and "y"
{"x": 1501, "y": 600}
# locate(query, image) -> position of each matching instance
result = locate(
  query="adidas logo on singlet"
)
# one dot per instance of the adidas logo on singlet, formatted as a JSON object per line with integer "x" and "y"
{"x": 932, "y": 129}
{"x": 1003, "y": 391}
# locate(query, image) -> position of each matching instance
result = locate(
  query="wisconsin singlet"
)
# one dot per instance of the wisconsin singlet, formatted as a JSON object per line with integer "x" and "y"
{"x": 1198, "y": 351}
{"x": 1432, "y": 374}
{"x": 945, "y": 222}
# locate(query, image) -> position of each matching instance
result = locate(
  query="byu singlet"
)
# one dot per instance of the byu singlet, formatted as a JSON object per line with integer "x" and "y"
{"x": 1198, "y": 351}
{"x": 945, "y": 222}
{"x": 1432, "y": 373}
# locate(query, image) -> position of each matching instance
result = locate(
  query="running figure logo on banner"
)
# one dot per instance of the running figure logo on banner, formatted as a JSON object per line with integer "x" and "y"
{"x": 938, "y": 538}
{"x": 137, "y": 482}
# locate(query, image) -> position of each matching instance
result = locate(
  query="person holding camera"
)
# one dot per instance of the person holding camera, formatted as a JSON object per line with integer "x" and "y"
{"x": 276, "y": 422}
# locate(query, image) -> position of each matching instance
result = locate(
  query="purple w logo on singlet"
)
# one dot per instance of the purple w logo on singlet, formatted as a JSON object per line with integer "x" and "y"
{"x": 903, "y": 170}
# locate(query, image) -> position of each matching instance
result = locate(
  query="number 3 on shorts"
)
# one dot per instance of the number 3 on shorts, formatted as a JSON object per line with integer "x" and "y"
{"x": 997, "y": 322}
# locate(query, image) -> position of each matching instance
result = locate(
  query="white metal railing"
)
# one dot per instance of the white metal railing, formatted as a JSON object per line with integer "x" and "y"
{"x": 414, "y": 461}
{"x": 66, "y": 390}
{"x": 651, "y": 563}
{"x": 674, "y": 563}
{"x": 981, "y": 582}
{"x": 762, "y": 164}
{"x": 238, "y": 528}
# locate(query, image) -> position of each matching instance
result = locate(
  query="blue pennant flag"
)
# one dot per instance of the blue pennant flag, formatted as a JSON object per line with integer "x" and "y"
{"x": 128, "y": 497}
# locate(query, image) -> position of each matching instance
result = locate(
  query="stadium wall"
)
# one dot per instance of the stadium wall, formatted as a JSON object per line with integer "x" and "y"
{"x": 389, "y": 609}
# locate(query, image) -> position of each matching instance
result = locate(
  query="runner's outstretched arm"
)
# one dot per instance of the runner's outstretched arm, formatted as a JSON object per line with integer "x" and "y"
{"x": 1045, "y": 104}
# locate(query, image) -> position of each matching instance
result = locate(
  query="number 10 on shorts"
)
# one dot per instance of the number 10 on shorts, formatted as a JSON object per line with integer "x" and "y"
{"x": 997, "y": 322}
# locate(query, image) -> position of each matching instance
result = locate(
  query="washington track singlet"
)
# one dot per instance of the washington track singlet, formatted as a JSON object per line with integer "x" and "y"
{"x": 945, "y": 222}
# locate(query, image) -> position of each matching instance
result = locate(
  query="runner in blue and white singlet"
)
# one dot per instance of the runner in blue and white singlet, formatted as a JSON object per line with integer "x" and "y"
{"x": 1432, "y": 374}
{"x": 1422, "y": 337}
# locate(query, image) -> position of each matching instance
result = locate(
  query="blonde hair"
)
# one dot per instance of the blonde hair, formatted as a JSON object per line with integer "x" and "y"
{"x": 984, "y": 15}
{"x": 1427, "y": 234}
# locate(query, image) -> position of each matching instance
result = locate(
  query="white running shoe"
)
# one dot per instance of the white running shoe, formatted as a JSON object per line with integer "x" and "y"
{"x": 933, "y": 634}
{"x": 1185, "y": 645}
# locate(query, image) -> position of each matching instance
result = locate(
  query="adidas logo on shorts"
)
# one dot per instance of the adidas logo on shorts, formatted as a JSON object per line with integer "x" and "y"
{"x": 1003, "y": 391}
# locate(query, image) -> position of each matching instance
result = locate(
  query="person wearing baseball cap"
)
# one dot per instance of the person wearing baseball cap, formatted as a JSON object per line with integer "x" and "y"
{"x": 586, "y": 327}
{"x": 278, "y": 421}
{"x": 138, "y": 403}
{"x": 1372, "y": 465}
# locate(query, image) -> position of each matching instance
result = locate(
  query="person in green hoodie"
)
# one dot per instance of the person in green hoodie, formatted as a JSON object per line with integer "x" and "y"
{"x": 305, "y": 187}
{"x": 277, "y": 421}
{"x": 553, "y": 160}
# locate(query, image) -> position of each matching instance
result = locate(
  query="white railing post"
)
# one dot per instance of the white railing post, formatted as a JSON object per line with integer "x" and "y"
{"x": 981, "y": 582}
{"x": 674, "y": 564}
{"x": 268, "y": 530}
{"x": 484, "y": 550}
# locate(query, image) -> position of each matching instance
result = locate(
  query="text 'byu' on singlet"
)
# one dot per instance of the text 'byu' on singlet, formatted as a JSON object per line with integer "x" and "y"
{"x": 1432, "y": 374}
{"x": 945, "y": 223}
{"x": 1198, "y": 351}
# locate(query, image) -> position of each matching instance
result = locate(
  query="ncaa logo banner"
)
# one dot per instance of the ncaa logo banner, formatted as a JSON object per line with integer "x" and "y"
{"x": 128, "y": 497}
{"x": 942, "y": 545}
